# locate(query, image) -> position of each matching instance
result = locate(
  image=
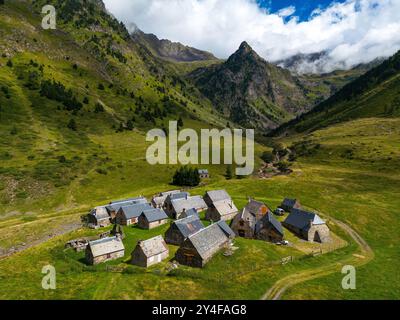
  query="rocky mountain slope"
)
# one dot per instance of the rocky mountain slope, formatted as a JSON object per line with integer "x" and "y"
{"x": 171, "y": 51}
{"x": 374, "y": 94}
{"x": 251, "y": 91}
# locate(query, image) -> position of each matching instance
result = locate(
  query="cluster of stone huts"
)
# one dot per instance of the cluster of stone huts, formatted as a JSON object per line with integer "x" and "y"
{"x": 197, "y": 243}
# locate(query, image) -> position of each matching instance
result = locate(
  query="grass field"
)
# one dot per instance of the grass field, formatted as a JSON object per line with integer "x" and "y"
{"x": 360, "y": 188}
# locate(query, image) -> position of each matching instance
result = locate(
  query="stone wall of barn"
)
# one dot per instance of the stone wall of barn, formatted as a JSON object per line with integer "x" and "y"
{"x": 242, "y": 229}
{"x": 103, "y": 258}
{"x": 319, "y": 233}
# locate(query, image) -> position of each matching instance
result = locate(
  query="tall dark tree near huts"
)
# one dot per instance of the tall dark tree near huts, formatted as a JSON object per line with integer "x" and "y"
{"x": 186, "y": 176}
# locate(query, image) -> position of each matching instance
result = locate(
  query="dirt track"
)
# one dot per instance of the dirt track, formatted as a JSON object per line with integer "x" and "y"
{"x": 365, "y": 256}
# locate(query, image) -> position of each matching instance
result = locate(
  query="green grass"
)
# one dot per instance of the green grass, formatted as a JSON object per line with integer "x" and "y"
{"x": 362, "y": 192}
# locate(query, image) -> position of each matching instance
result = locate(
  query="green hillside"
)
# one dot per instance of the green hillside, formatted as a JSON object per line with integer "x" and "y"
{"x": 75, "y": 104}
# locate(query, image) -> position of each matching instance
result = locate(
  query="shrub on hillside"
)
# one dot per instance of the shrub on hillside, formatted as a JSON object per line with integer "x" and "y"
{"x": 57, "y": 91}
{"x": 268, "y": 157}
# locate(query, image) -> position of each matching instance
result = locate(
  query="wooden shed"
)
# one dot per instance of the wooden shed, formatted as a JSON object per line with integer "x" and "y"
{"x": 103, "y": 250}
{"x": 181, "y": 229}
{"x": 153, "y": 218}
{"x": 289, "y": 204}
{"x": 129, "y": 215}
{"x": 308, "y": 226}
{"x": 201, "y": 246}
{"x": 150, "y": 252}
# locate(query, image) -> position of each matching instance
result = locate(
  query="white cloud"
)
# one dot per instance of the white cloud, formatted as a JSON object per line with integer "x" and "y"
{"x": 353, "y": 32}
{"x": 287, "y": 12}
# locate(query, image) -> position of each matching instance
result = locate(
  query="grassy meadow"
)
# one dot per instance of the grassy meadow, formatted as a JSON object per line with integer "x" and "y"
{"x": 352, "y": 176}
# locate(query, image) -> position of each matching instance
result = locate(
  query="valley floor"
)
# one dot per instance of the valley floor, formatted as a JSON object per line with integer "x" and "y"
{"x": 352, "y": 178}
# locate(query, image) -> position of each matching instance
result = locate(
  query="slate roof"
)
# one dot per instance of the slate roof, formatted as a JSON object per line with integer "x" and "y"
{"x": 167, "y": 193}
{"x": 135, "y": 210}
{"x": 100, "y": 213}
{"x": 160, "y": 199}
{"x": 289, "y": 202}
{"x": 153, "y": 246}
{"x": 189, "y": 225}
{"x": 301, "y": 219}
{"x": 226, "y": 229}
{"x": 195, "y": 202}
{"x": 225, "y": 207}
{"x": 208, "y": 241}
{"x": 218, "y": 195}
{"x": 115, "y": 206}
{"x": 254, "y": 206}
{"x": 105, "y": 246}
{"x": 179, "y": 195}
{"x": 154, "y": 215}
{"x": 269, "y": 218}
{"x": 135, "y": 200}
{"x": 191, "y": 212}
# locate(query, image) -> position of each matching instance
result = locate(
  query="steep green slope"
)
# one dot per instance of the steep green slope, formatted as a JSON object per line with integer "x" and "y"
{"x": 374, "y": 94}
{"x": 74, "y": 106}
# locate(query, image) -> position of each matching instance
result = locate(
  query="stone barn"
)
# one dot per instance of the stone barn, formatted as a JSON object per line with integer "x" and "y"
{"x": 201, "y": 246}
{"x": 191, "y": 212}
{"x": 159, "y": 200}
{"x": 179, "y": 206}
{"x": 171, "y": 197}
{"x": 244, "y": 223}
{"x": 103, "y": 250}
{"x": 222, "y": 210}
{"x": 114, "y": 206}
{"x": 269, "y": 229}
{"x": 181, "y": 229}
{"x": 151, "y": 219}
{"x": 220, "y": 206}
{"x": 216, "y": 195}
{"x": 289, "y": 204}
{"x": 203, "y": 173}
{"x": 308, "y": 226}
{"x": 129, "y": 215}
{"x": 99, "y": 217}
{"x": 150, "y": 252}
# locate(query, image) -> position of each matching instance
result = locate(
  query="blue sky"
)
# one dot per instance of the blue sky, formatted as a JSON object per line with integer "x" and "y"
{"x": 304, "y": 8}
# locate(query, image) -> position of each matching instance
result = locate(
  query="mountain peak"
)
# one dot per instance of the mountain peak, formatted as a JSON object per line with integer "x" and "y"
{"x": 245, "y": 47}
